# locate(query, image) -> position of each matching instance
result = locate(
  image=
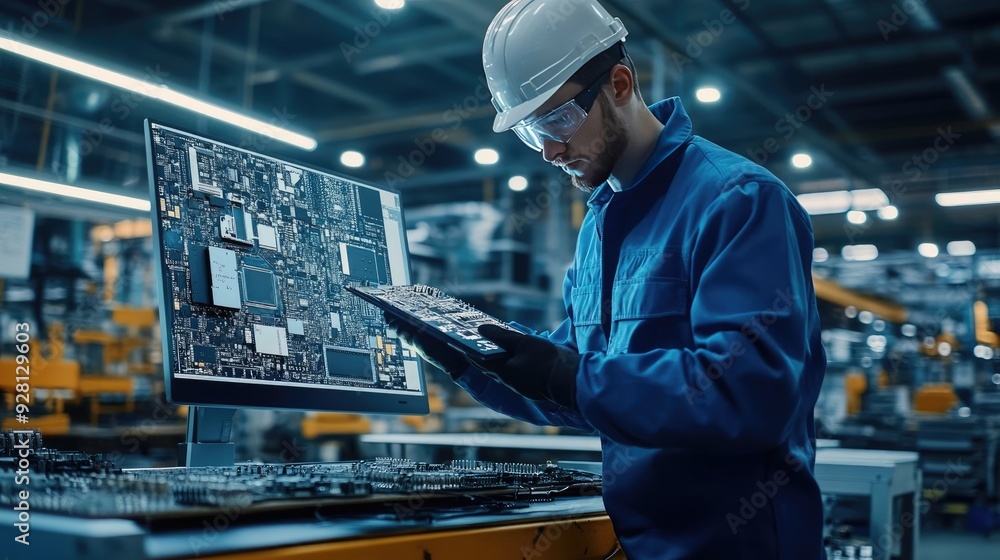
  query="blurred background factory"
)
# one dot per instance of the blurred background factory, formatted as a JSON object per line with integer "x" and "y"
{"x": 883, "y": 117}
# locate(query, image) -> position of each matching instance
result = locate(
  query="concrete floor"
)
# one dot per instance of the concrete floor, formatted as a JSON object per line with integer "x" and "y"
{"x": 956, "y": 545}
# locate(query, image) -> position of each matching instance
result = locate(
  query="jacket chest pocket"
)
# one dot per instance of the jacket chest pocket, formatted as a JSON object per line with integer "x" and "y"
{"x": 650, "y": 303}
{"x": 586, "y": 302}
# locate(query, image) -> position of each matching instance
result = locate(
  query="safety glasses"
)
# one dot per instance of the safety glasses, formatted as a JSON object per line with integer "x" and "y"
{"x": 561, "y": 123}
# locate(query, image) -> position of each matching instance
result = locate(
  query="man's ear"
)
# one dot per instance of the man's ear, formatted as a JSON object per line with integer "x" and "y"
{"x": 624, "y": 85}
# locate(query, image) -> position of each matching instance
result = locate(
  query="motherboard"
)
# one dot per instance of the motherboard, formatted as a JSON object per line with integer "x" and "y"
{"x": 87, "y": 485}
{"x": 447, "y": 318}
{"x": 256, "y": 254}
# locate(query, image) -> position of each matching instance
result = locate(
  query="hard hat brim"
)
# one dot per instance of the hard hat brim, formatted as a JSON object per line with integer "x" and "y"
{"x": 507, "y": 119}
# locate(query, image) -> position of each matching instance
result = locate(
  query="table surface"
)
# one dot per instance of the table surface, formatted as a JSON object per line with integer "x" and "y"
{"x": 481, "y": 439}
{"x": 519, "y": 441}
{"x": 864, "y": 457}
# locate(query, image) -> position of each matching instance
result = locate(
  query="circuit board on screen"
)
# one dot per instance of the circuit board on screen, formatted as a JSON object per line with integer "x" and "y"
{"x": 447, "y": 318}
{"x": 257, "y": 252}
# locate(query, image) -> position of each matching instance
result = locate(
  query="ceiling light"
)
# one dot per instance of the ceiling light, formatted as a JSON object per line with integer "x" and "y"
{"x": 517, "y": 183}
{"x": 156, "y": 91}
{"x": 857, "y": 217}
{"x": 908, "y": 330}
{"x": 866, "y": 317}
{"x": 888, "y": 213}
{"x": 877, "y": 342}
{"x": 820, "y": 255}
{"x": 833, "y": 202}
{"x": 859, "y": 252}
{"x": 708, "y": 95}
{"x": 487, "y": 156}
{"x": 351, "y": 158}
{"x": 68, "y": 191}
{"x": 961, "y": 248}
{"x": 869, "y": 199}
{"x": 928, "y": 250}
{"x": 944, "y": 349}
{"x": 968, "y": 198}
{"x": 390, "y": 4}
{"x": 802, "y": 161}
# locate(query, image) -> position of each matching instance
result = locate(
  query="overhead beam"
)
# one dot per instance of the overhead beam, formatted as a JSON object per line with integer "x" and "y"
{"x": 793, "y": 71}
{"x": 380, "y": 62}
{"x": 69, "y": 120}
{"x": 400, "y": 122}
{"x": 648, "y": 21}
{"x": 237, "y": 54}
{"x": 182, "y": 15}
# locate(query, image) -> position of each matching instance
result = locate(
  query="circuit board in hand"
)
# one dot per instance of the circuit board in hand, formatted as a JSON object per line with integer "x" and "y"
{"x": 444, "y": 317}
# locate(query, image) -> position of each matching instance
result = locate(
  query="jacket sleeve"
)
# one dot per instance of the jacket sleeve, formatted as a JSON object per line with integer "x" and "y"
{"x": 502, "y": 399}
{"x": 738, "y": 388}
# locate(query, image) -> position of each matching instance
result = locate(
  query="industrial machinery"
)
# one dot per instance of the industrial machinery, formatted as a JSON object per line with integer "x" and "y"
{"x": 151, "y": 513}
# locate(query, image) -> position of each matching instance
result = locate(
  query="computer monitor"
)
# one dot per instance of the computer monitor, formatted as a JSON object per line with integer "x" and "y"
{"x": 253, "y": 254}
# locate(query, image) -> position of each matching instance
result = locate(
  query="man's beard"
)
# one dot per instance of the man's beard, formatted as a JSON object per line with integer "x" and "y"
{"x": 605, "y": 151}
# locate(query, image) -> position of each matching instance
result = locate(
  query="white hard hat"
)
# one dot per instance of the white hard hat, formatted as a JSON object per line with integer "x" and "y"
{"x": 533, "y": 47}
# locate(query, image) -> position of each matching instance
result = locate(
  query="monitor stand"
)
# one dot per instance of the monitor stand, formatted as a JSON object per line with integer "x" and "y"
{"x": 207, "y": 444}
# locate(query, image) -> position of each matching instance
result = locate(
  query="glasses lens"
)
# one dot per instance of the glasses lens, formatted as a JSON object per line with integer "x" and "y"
{"x": 560, "y": 125}
{"x": 527, "y": 135}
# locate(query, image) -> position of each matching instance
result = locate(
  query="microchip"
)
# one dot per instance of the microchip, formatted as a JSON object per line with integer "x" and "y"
{"x": 267, "y": 237}
{"x": 270, "y": 340}
{"x": 371, "y": 203}
{"x": 259, "y": 288}
{"x": 349, "y": 363}
{"x": 225, "y": 290}
{"x": 205, "y": 354}
{"x": 359, "y": 263}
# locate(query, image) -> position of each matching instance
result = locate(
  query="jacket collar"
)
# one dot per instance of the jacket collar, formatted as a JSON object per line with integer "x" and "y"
{"x": 676, "y": 130}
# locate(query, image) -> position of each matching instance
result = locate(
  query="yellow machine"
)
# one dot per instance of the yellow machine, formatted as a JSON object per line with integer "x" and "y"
{"x": 935, "y": 398}
{"x": 54, "y": 376}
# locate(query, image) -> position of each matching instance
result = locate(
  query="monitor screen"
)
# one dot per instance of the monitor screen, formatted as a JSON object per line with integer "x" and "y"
{"x": 253, "y": 255}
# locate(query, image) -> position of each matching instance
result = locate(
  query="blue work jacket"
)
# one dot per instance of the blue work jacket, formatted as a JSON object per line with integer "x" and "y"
{"x": 691, "y": 301}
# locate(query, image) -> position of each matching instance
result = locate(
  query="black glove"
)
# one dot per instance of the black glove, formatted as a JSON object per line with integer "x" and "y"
{"x": 536, "y": 368}
{"x": 437, "y": 353}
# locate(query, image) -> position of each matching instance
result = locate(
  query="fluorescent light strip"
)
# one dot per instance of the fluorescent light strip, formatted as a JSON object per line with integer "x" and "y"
{"x": 89, "y": 195}
{"x": 833, "y": 202}
{"x": 968, "y": 198}
{"x": 836, "y": 202}
{"x": 156, "y": 91}
{"x": 869, "y": 199}
{"x": 859, "y": 252}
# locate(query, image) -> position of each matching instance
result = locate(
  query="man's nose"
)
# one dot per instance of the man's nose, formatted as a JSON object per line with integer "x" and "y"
{"x": 552, "y": 149}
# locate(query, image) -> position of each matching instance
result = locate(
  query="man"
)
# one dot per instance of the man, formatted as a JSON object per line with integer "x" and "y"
{"x": 692, "y": 343}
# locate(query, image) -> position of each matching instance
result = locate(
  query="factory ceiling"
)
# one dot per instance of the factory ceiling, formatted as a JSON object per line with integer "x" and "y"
{"x": 899, "y": 95}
